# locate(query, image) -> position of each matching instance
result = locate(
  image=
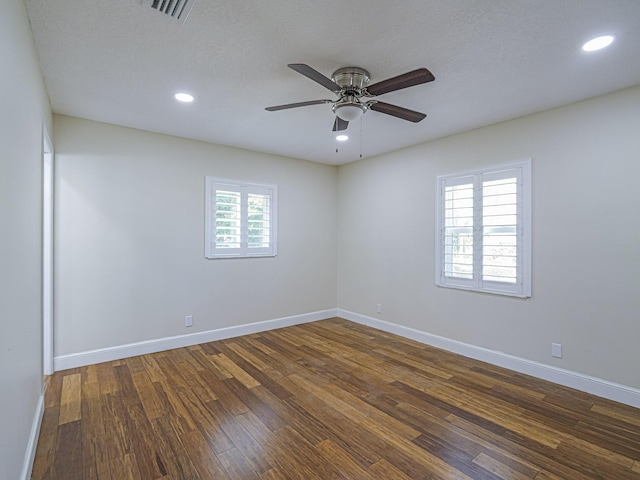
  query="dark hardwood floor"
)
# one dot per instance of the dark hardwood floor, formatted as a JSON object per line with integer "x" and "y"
{"x": 326, "y": 400}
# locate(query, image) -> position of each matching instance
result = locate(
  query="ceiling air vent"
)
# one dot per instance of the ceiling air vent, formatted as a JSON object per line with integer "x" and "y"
{"x": 178, "y": 9}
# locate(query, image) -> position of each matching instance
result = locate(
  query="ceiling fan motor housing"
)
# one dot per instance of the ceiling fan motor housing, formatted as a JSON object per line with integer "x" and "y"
{"x": 353, "y": 81}
{"x": 351, "y": 78}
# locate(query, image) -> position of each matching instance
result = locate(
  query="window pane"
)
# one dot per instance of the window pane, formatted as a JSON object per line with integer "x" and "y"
{"x": 258, "y": 221}
{"x": 499, "y": 222}
{"x": 458, "y": 231}
{"x": 496, "y": 274}
{"x": 501, "y": 199}
{"x": 458, "y": 252}
{"x": 228, "y": 221}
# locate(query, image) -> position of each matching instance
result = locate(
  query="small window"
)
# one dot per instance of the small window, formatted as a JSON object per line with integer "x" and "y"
{"x": 240, "y": 219}
{"x": 484, "y": 230}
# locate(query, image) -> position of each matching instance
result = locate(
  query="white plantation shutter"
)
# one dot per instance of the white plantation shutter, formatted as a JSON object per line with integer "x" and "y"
{"x": 483, "y": 228}
{"x": 227, "y": 218}
{"x": 458, "y": 228}
{"x": 240, "y": 219}
{"x": 258, "y": 219}
{"x": 501, "y": 232}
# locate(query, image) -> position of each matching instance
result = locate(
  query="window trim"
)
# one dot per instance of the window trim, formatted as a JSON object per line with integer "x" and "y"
{"x": 522, "y": 288}
{"x": 245, "y": 188}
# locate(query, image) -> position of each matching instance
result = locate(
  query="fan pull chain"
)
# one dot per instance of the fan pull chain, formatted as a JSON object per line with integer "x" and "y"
{"x": 361, "y": 136}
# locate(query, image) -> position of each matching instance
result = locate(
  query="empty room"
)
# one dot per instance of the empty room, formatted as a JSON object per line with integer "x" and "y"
{"x": 319, "y": 240}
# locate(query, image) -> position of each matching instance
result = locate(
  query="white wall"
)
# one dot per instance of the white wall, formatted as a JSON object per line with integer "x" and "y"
{"x": 130, "y": 238}
{"x": 586, "y": 239}
{"x": 25, "y": 108}
{"x": 130, "y": 220}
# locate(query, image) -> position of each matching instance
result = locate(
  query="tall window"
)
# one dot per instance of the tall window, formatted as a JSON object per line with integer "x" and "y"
{"x": 484, "y": 230}
{"x": 240, "y": 219}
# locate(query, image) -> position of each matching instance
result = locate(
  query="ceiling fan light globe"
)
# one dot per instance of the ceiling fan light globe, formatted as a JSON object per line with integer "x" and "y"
{"x": 349, "y": 113}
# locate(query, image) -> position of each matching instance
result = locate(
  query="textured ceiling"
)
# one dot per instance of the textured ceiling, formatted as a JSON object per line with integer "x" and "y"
{"x": 118, "y": 61}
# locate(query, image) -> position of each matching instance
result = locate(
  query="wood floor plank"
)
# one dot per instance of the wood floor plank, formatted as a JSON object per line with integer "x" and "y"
{"x": 108, "y": 381}
{"x": 333, "y": 454}
{"x": 500, "y": 470}
{"x": 95, "y": 459}
{"x": 234, "y": 370}
{"x": 509, "y": 418}
{"x": 308, "y": 427}
{"x": 245, "y": 352}
{"x": 116, "y": 434}
{"x": 359, "y": 411}
{"x": 624, "y": 440}
{"x": 454, "y": 454}
{"x": 172, "y": 453}
{"x": 152, "y": 368}
{"x": 263, "y": 376}
{"x": 174, "y": 409}
{"x": 274, "y": 474}
{"x": 237, "y": 466}
{"x": 206, "y": 423}
{"x": 125, "y": 468}
{"x": 67, "y": 462}
{"x": 291, "y": 455}
{"x": 152, "y": 405}
{"x": 399, "y": 437}
{"x": 543, "y": 475}
{"x": 396, "y": 357}
{"x": 95, "y": 464}
{"x": 46, "y": 448}
{"x": 70, "y": 399}
{"x": 197, "y": 379}
{"x": 600, "y": 463}
{"x": 53, "y": 388}
{"x": 250, "y": 448}
{"x": 364, "y": 448}
{"x": 438, "y": 429}
{"x": 326, "y": 400}
{"x": 143, "y": 444}
{"x": 533, "y": 454}
{"x": 255, "y": 405}
{"x": 203, "y": 456}
{"x": 384, "y": 469}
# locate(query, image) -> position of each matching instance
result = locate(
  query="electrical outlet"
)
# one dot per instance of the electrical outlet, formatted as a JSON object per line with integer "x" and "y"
{"x": 188, "y": 321}
{"x": 379, "y": 307}
{"x": 556, "y": 350}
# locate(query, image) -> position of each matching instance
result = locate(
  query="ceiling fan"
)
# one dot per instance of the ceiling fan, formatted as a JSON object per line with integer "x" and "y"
{"x": 351, "y": 84}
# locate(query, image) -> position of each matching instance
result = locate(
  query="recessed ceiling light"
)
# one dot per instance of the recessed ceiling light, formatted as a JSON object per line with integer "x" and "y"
{"x": 342, "y": 138}
{"x": 183, "y": 97}
{"x": 598, "y": 43}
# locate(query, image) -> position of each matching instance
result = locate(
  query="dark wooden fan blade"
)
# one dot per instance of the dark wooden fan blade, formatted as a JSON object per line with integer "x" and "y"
{"x": 316, "y": 76}
{"x": 340, "y": 124}
{"x": 294, "y": 105}
{"x": 396, "y": 111}
{"x": 409, "y": 79}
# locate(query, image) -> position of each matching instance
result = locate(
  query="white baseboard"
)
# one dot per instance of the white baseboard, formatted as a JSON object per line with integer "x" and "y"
{"x": 81, "y": 359}
{"x": 596, "y": 386}
{"x": 32, "y": 444}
